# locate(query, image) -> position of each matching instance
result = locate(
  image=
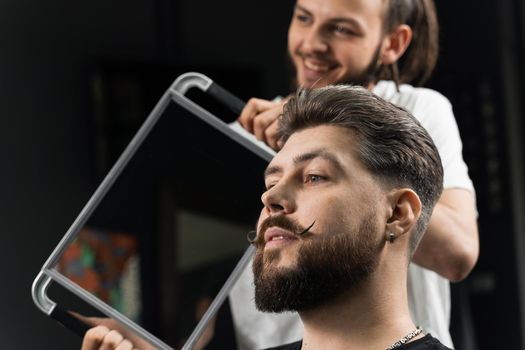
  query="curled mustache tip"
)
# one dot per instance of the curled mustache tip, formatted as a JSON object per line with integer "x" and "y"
{"x": 306, "y": 230}
{"x": 251, "y": 236}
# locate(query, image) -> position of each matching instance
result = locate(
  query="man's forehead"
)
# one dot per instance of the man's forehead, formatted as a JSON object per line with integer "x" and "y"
{"x": 331, "y": 143}
{"x": 333, "y": 138}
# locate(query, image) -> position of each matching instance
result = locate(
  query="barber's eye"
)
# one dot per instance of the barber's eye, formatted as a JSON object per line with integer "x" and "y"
{"x": 302, "y": 18}
{"x": 339, "y": 29}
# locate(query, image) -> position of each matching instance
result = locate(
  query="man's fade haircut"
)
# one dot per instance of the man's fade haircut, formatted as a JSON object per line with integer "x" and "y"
{"x": 391, "y": 143}
{"x": 417, "y": 63}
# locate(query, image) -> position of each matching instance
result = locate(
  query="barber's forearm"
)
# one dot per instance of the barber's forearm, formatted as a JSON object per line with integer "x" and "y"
{"x": 450, "y": 246}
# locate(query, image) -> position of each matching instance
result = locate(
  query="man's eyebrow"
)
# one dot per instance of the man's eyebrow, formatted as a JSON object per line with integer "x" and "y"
{"x": 348, "y": 20}
{"x": 305, "y": 157}
{"x": 274, "y": 169}
{"x": 300, "y": 8}
{"x": 319, "y": 153}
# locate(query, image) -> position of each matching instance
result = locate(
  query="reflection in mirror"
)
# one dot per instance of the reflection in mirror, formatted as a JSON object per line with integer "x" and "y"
{"x": 165, "y": 237}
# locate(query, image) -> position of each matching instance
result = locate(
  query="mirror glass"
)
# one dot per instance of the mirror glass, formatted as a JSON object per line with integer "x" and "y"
{"x": 163, "y": 240}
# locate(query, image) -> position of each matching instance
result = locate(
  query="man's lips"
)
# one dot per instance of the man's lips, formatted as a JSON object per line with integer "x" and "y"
{"x": 277, "y": 234}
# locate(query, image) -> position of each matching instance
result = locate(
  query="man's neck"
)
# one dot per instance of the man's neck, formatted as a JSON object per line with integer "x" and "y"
{"x": 366, "y": 318}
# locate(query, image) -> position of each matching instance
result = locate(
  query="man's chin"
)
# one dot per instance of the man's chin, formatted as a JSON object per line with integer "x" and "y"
{"x": 271, "y": 294}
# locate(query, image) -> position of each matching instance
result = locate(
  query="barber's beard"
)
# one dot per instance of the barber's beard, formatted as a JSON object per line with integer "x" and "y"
{"x": 363, "y": 78}
{"x": 327, "y": 266}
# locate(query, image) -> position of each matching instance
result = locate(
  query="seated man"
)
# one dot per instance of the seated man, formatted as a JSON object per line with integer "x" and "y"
{"x": 347, "y": 200}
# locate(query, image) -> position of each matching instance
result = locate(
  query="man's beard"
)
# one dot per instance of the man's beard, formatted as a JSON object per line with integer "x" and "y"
{"x": 327, "y": 266}
{"x": 362, "y": 78}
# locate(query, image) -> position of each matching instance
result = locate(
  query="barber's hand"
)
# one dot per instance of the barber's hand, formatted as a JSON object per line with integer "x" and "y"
{"x": 102, "y": 338}
{"x": 108, "y": 334}
{"x": 261, "y": 117}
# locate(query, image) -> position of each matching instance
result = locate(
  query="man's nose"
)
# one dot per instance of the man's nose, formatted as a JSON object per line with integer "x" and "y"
{"x": 314, "y": 41}
{"x": 279, "y": 200}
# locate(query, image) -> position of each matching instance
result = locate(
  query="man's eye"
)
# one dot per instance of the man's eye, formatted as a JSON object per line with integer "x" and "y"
{"x": 302, "y": 18}
{"x": 313, "y": 178}
{"x": 342, "y": 30}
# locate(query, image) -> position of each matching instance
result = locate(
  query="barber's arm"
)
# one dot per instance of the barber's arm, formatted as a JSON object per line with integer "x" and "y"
{"x": 450, "y": 246}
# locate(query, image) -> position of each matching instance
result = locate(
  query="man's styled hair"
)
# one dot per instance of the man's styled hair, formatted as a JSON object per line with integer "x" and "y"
{"x": 418, "y": 61}
{"x": 391, "y": 143}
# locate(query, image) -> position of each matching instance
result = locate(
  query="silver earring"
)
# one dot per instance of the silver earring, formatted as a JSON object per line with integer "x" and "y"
{"x": 390, "y": 236}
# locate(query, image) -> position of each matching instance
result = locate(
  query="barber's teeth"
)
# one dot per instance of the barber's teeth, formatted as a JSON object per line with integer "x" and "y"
{"x": 316, "y": 67}
{"x": 277, "y": 238}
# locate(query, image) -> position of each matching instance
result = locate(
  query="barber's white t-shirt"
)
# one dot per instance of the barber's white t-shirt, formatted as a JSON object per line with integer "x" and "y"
{"x": 428, "y": 293}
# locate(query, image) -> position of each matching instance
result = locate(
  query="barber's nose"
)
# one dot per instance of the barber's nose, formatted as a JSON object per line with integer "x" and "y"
{"x": 278, "y": 200}
{"x": 314, "y": 41}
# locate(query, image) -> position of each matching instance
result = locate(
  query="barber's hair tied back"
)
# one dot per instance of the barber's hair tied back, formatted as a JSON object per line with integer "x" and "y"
{"x": 391, "y": 143}
{"x": 418, "y": 62}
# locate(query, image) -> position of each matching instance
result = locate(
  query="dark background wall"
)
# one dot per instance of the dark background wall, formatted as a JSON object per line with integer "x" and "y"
{"x": 49, "y": 50}
{"x": 481, "y": 72}
{"x": 46, "y": 51}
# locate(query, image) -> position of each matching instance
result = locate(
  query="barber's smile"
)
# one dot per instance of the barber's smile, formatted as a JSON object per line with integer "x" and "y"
{"x": 277, "y": 237}
{"x": 314, "y": 69}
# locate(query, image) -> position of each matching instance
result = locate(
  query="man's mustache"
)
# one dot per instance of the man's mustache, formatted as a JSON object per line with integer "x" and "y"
{"x": 278, "y": 221}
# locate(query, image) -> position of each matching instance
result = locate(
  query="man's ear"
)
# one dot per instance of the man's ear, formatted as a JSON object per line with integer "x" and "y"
{"x": 395, "y": 44}
{"x": 406, "y": 209}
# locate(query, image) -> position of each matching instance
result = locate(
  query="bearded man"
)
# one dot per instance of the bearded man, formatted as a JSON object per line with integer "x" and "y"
{"x": 348, "y": 198}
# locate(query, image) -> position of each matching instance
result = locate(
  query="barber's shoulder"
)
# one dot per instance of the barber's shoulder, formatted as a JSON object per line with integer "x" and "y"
{"x": 423, "y": 94}
{"x": 387, "y": 90}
